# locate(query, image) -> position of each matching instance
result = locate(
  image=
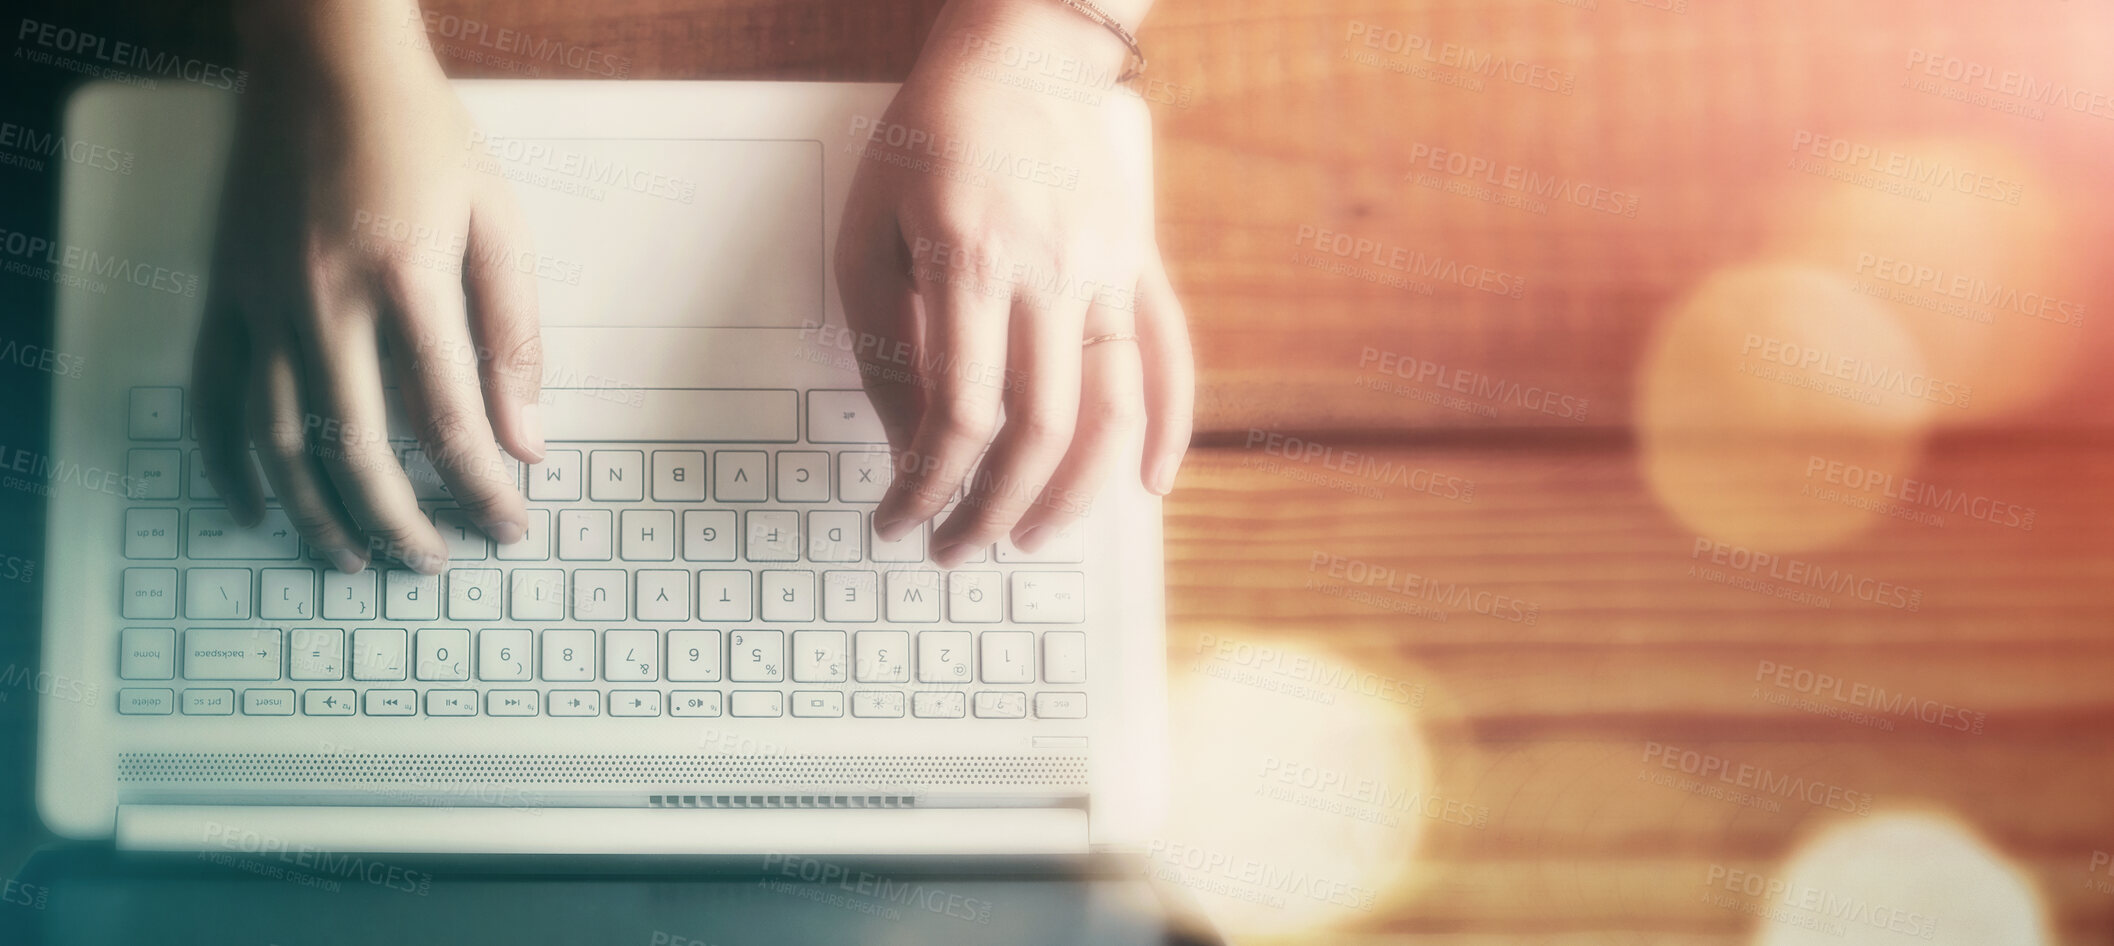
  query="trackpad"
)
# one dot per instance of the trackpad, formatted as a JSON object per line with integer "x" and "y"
{"x": 655, "y": 232}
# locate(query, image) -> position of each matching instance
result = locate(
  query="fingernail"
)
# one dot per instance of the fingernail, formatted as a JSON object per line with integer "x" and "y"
{"x": 951, "y": 555}
{"x": 426, "y": 564}
{"x": 1032, "y": 539}
{"x": 532, "y": 429}
{"x": 891, "y": 528}
{"x": 504, "y": 532}
{"x": 346, "y": 561}
{"x": 1162, "y": 479}
{"x": 249, "y": 515}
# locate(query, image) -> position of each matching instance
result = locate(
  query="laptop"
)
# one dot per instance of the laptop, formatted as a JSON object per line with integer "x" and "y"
{"x": 732, "y": 666}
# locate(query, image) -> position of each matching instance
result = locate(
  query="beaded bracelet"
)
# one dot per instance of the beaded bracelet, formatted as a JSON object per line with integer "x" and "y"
{"x": 1087, "y": 9}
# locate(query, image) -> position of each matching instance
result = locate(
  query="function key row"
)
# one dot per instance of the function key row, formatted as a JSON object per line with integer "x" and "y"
{"x": 755, "y": 704}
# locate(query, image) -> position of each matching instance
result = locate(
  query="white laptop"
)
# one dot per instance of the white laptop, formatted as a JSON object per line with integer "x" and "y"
{"x": 809, "y": 692}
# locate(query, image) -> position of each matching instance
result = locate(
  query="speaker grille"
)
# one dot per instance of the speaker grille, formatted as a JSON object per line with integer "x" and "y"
{"x": 279, "y": 768}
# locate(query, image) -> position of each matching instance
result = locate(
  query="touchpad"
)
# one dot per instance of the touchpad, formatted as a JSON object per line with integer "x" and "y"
{"x": 668, "y": 232}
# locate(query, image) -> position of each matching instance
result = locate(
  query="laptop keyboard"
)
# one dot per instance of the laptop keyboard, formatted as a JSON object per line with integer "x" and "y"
{"x": 656, "y": 579}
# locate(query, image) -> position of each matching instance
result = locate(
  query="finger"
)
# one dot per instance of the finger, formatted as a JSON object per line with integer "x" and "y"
{"x": 880, "y": 307}
{"x": 959, "y": 363}
{"x": 427, "y": 326}
{"x": 1111, "y": 410}
{"x": 352, "y": 439}
{"x": 280, "y": 429}
{"x": 501, "y": 295}
{"x": 219, "y": 373}
{"x": 1040, "y": 416}
{"x": 1170, "y": 377}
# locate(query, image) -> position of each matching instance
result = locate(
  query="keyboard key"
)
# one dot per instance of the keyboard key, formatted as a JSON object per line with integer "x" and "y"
{"x": 214, "y": 536}
{"x": 584, "y": 535}
{"x": 157, "y": 414}
{"x": 503, "y": 653}
{"x": 788, "y": 596}
{"x": 556, "y": 479}
{"x": 914, "y": 597}
{"x": 473, "y": 594}
{"x": 1060, "y": 705}
{"x": 466, "y": 542}
{"x": 877, "y": 703}
{"x": 757, "y": 703}
{"x": 535, "y": 544}
{"x": 510, "y": 703}
{"x": 598, "y": 595}
{"x": 851, "y": 597}
{"x": 693, "y": 657}
{"x": 536, "y": 595}
{"x": 631, "y": 656}
{"x": 972, "y": 597}
{"x": 231, "y": 653}
{"x": 267, "y": 702}
{"x": 217, "y": 594}
{"x": 209, "y": 702}
{"x": 842, "y": 417}
{"x": 426, "y": 482}
{"x": 151, "y": 533}
{"x": 348, "y": 597}
{"x": 678, "y": 476}
{"x": 392, "y": 702}
{"x": 327, "y": 702}
{"x": 201, "y": 487}
{"x": 883, "y": 656}
{"x": 286, "y": 594}
{"x": 133, "y": 701}
{"x": 616, "y": 476}
{"x": 1008, "y": 656}
{"x": 410, "y": 596}
{"x": 1049, "y": 597}
{"x": 444, "y": 654}
{"x": 818, "y": 704}
{"x": 154, "y": 474}
{"x": 938, "y": 705}
{"x": 574, "y": 703}
{"x": 818, "y": 657}
{"x": 803, "y": 477}
{"x": 724, "y": 595}
{"x": 693, "y": 703}
{"x": 648, "y": 535}
{"x": 774, "y": 535}
{"x": 1064, "y": 657}
{"x": 150, "y": 593}
{"x": 662, "y": 596}
{"x": 738, "y": 476}
{"x": 909, "y": 548}
{"x": 316, "y": 653}
{"x": 863, "y": 476}
{"x": 943, "y": 656}
{"x": 634, "y": 702}
{"x": 833, "y": 535}
{"x": 708, "y": 535}
{"x": 998, "y": 705}
{"x": 147, "y": 653}
{"x": 568, "y": 655}
{"x": 1067, "y": 547}
{"x": 755, "y": 656}
{"x": 451, "y": 702}
{"x": 378, "y": 653}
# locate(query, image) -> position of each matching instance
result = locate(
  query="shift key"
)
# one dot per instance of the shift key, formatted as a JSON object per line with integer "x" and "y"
{"x": 231, "y": 653}
{"x": 215, "y": 536}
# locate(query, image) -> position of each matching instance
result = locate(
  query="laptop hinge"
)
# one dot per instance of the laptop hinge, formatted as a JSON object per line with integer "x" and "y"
{"x": 410, "y": 830}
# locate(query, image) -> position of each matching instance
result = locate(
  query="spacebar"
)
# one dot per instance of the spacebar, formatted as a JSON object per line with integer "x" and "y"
{"x": 678, "y": 415}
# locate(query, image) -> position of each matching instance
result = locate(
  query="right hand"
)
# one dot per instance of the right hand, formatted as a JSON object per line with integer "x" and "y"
{"x": 351, "y": 223}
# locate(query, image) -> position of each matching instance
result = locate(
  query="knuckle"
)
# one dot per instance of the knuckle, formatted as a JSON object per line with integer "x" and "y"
{"x": 451, "y": 433}
{"x": 961, "y": 419}
{"x": 1043, "y": 426}
{"x": 1117, "y": 415}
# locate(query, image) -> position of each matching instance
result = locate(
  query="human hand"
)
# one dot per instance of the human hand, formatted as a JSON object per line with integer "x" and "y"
{"x": 350, "y": 222}
{"x": 1003, "y": 235}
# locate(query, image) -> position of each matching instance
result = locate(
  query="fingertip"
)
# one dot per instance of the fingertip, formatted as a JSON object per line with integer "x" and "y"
{"x": 529, "y": 431}
{"x": 1160, "y": 473}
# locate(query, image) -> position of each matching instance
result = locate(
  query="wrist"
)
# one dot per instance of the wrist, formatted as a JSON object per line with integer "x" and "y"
{"x": 335, "y": 42}
{"x": 1038, "y": 31}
